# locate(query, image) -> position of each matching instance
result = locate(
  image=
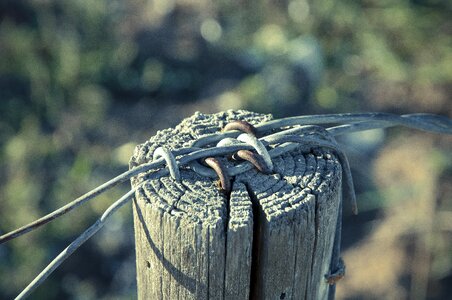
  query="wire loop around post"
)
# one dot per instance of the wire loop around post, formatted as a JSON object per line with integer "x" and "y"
{"x": 315, "y": 142}
{"x": 283, "y": 141}
{"x": 227, "y": 142}
{"x": 169, "y": 159}
{"x": 260, "y": 148}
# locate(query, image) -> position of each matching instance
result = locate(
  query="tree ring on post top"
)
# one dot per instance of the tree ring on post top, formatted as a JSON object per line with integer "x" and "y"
{"x": 272, "y": 235}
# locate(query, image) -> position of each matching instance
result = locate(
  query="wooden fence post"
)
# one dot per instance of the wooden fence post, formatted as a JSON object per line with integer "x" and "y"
{"x": 272, "y": 238}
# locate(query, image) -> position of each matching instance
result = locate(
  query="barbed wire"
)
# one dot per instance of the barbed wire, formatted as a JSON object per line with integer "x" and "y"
{"x": 279, "y": 136}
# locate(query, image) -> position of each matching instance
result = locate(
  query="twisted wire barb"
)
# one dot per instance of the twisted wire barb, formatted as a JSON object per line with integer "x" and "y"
{"x": 285, "y": 140}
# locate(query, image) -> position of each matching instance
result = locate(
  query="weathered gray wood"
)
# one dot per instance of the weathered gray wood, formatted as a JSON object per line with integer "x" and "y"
{"x": 272, "y": 239}
{"x": 239, "y": 244}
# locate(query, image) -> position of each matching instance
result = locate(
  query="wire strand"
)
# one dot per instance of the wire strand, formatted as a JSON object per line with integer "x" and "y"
{"x": 360, "y": 122}
{"x": 80, "y": 240}
{"x": 305, "y": 133}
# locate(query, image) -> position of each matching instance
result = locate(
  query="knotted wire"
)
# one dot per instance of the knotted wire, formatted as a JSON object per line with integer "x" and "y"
{"x": 286, "y": 140}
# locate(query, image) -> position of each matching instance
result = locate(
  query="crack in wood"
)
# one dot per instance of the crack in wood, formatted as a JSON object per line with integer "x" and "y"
{"x": 260, "y": 242}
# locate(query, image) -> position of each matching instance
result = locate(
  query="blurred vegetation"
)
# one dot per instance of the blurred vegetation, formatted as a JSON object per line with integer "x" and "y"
{"x": 83, "y": 81}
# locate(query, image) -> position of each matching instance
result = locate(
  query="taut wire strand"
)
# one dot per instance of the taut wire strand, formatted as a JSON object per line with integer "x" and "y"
{"x": 79, "y": 201}
{"x": 425, "y": 122}
{"x": 291, "y": 133}
{"x": 359, "y": 122}
{"x": 76, "y": 244}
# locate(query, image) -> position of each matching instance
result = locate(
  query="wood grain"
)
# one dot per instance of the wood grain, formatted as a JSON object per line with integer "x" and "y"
{"x": 271, "y": 238}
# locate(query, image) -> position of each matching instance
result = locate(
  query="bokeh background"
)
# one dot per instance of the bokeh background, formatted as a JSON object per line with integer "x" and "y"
{"x": 83, "y": 81}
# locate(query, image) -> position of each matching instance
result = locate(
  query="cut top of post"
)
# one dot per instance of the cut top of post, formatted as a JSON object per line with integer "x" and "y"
{"x": 271, "y": 237}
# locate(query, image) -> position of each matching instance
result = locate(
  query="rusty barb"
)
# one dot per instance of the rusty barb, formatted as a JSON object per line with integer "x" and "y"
{"x": 262, "y": 160}
{"x": 225, "y": 181}
{"x": 253, "y": 158}
{"x": 242, "y": 126}
{"x": 280, "y": 135}
{"x": 338, "y": 274}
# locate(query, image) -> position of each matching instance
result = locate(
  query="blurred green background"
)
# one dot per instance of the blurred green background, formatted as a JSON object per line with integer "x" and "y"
{"x": 83, "y": 81}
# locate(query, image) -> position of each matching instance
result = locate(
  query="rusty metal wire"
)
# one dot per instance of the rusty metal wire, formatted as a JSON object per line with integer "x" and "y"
{"x": 291, "y": 133}
{"x": 255, "y": 159}
{"x": 225, "y": 181}
{"x": 359, "y": 122}
{"x": 337, "y": 274}
{"x": 242, "y": 126}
